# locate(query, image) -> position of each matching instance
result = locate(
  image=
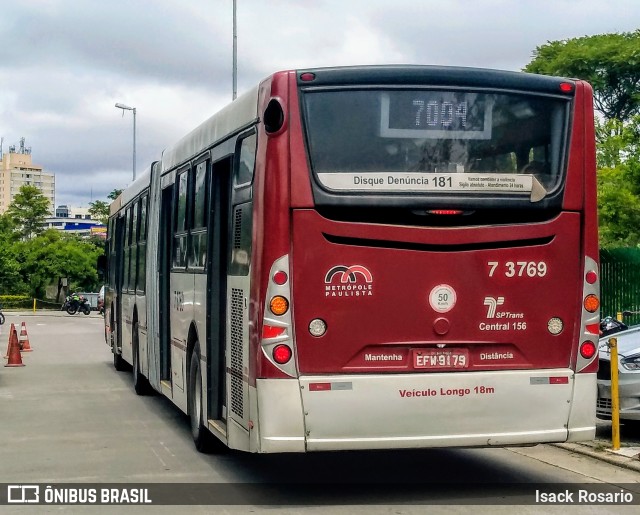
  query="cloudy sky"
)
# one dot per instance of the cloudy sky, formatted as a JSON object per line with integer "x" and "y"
{"x": 65, "y": 63}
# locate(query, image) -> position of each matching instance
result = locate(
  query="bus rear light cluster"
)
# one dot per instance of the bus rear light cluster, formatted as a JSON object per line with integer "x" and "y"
{"x": 278, "y": 343}
{"x": 591, "y": 303}
{"x": 282, "y": 354}
{"x": 588, "y": 349}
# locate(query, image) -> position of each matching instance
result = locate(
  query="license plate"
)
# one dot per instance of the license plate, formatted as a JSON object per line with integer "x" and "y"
{"x": 437, "y": 358}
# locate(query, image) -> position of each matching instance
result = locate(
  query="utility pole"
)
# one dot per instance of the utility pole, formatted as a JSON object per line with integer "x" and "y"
{"x": 235, "y": 52}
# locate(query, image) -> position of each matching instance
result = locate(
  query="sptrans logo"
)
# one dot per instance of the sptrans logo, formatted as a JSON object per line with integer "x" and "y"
{"x": 348, "y": 281}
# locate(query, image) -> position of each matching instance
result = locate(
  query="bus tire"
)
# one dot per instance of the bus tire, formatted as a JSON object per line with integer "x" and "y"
{"x": 1, "y": 319}
{"x": 140, "y": 383}
{"x": 204, "y": 441}
{"x": 118, "y": 363}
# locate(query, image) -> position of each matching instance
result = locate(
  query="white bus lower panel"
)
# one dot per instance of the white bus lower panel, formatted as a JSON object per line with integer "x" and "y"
{"x": 582, "y": 422}
{"x": 471, "y": 409}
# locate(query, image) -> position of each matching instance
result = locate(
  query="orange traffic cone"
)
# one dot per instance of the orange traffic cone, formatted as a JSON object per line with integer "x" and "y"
{"x": 15, "y": 359}
{"x": 24, "y": 339}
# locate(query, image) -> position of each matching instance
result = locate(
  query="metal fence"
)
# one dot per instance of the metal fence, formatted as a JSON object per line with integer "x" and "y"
{"x": 620, "y": 282}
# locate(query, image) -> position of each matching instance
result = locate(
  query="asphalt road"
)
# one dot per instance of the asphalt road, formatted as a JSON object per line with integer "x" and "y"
{"x": 68, "y": 417}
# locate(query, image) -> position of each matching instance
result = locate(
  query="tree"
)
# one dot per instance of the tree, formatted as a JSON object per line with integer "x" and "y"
{"x": 618, "y": 158}
{"x": 114, "y": 194}
{"x": 11, "y": 281}
{"x": 609, "y": 62}
{"x": 99, "y": 210}
{"x": 51, "y": 256}
{"x": 28, "y": 211}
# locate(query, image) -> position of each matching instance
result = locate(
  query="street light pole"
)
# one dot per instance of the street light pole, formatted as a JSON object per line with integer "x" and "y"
{"x": 235, "y": 53}
{"x": 127, "y": 108}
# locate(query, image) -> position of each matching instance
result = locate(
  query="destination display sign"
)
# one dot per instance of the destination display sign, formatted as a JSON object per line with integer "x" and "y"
{"x": 436, "y": 114}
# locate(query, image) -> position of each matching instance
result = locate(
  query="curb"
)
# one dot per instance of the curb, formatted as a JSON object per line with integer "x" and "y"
{"x": 607, "y": 456}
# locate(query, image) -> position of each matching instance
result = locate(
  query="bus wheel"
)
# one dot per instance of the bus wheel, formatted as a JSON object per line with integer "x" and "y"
{"x": 202, "y": 438}
{"x": 140, "y": 383}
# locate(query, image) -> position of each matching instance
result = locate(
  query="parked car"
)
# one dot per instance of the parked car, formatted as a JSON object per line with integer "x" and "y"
{"x": 628, "y": 375}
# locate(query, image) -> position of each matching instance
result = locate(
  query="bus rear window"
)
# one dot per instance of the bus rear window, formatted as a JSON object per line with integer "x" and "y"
{"x": 435, "y": 141}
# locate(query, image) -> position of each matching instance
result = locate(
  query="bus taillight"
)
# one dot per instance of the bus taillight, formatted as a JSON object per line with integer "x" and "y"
{"x": 282, "y": 354}
{"x": 588, "y": 349}
{"x": 591, "y": 277}
{"x": 280, "y": 278}
{"x": 566, "y": 87}
{"x": 445, "y": 212}
{"x": 279, "y": 305}
{"x": 591, "y": 303}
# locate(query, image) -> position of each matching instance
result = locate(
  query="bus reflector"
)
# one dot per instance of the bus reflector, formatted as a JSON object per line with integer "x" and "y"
{"x": 587, "y": 350}
{"x": 280, "y": 277}
{"x": 307, "y": 77}
{"x": 281, "y": 354}
{"x": 593, "y": 328}
{"x": 591, "y": 277}
{"x": 270, "y": 331}
{"x": 279, "y": 305}
{"x": 591, "y": 303}
{"x": 566, "y": 87}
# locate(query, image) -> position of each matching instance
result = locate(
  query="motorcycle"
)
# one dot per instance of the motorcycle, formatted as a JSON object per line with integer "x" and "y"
{"x": 609, "y": 325}
{"x": 76, "y": 303}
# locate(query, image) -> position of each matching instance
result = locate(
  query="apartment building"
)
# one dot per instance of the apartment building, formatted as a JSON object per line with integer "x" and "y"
{"x": 16, "y": 170}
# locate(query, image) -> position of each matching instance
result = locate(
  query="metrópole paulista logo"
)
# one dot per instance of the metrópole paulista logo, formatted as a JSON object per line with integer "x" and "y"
{"x": 348, "y": 281}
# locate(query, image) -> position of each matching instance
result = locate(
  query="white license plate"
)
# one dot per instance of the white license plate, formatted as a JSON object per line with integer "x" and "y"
{"x": 454, "y": 358}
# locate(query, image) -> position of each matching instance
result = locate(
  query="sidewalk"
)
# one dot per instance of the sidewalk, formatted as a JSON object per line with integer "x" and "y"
{"x": 626, "y": 457}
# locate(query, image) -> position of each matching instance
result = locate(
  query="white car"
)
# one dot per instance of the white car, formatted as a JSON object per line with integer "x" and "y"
{"x": 628, "y": 375}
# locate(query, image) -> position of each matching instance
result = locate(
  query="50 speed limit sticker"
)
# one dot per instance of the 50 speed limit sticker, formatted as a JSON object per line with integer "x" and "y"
{"x": 442, "y": 298}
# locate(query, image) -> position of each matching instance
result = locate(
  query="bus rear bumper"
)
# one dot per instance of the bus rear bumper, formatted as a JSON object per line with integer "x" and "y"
{"x": 394, "y": 411}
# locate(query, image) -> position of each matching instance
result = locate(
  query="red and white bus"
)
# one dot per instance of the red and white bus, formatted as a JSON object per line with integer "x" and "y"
{"x": 369, "y": 258}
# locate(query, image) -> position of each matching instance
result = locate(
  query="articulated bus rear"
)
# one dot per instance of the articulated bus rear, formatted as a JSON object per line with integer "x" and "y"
{"x": 439, "y": 260}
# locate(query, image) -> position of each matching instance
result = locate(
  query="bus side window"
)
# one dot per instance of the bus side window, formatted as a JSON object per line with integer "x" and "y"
{"x": 198, "y": 238}
{"x": 246, "y": 162}
{"x": 181, "y": 228}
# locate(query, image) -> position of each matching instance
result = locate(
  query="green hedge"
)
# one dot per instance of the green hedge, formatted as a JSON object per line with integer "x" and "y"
{"x": 16, "y": 301}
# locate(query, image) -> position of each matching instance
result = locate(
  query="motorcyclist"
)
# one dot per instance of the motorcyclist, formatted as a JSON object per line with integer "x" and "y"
{"x": 76, "y": 299}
